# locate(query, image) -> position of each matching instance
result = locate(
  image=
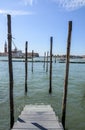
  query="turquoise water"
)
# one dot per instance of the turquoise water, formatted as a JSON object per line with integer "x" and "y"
{"x": 38, "y": 86}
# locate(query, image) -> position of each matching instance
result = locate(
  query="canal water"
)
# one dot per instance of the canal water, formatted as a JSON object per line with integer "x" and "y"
{"x": 38, "y": 86}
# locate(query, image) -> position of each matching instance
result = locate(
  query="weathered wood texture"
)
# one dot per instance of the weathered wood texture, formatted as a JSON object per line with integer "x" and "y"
{"x": 26, "y": 66}
{"x": 47, "y": 62}
{"x": 50, "y": 76}
{"x": 37, "y": 117}
{"x": 32, "y": 59}
{"x": 67, "y": 74}
{"x": 44, "y": 60}
{"x": 10, "y": 71}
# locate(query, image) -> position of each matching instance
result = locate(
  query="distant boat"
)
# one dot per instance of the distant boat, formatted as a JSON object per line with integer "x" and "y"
{"x": 17, "y": 53}
{"x": 62, "y": 60}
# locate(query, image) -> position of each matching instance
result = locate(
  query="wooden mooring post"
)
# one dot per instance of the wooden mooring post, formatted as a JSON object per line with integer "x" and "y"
{"x": 55, "y": 58}
{"x": 10, "y": 71}
{"x": 26, "y": 66}
{"x": 32, "y": 59}
{"x": 50, "y": 76}
{"x": 47, "y": 62}
{"x": 66, "y": 75}
{"x": 44, "y": 60}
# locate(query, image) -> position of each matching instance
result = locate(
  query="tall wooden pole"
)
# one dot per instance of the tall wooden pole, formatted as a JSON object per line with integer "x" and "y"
{"x": 66, "y": 75}
{"x": 26, "y": 68}
{"x": 44, "y": 60}
{"x": 47, "y": 62}
{"x": 50, "y": 77}
{"x": 10, "y": 72}
{"x": 32, "y": 59}
{"x": 55, "y": 58}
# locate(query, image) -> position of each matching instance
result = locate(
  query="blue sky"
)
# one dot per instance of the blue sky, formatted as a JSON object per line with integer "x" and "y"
{"x": 36, "y": 20}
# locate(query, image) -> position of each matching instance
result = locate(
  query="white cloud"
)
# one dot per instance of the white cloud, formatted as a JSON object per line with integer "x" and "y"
{"x": 70, "y": 4}
{"x": 28, "y": 2}
{"x": 15, "y": 12}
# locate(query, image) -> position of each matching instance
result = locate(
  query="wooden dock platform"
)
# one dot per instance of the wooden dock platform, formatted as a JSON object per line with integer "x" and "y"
{"x": 37, "y": 117}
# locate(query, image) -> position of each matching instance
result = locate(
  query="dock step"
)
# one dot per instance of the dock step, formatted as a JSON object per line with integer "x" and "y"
{"x": 37, "y": 117}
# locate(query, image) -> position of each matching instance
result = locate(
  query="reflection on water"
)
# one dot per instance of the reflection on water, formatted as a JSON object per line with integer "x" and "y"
{"x": 38, "y": 86}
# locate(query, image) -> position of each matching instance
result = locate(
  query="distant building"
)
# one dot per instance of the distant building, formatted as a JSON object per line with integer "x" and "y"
{"x": 17, "y": 53}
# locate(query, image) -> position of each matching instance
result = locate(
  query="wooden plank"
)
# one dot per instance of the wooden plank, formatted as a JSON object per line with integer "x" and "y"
{"x": 43, "y": 124}
{"x": 38, "y": 129}
{"x": 37, "y": 117}
{"x": 37, "y": 106}
{"x": 36, "y": 112}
